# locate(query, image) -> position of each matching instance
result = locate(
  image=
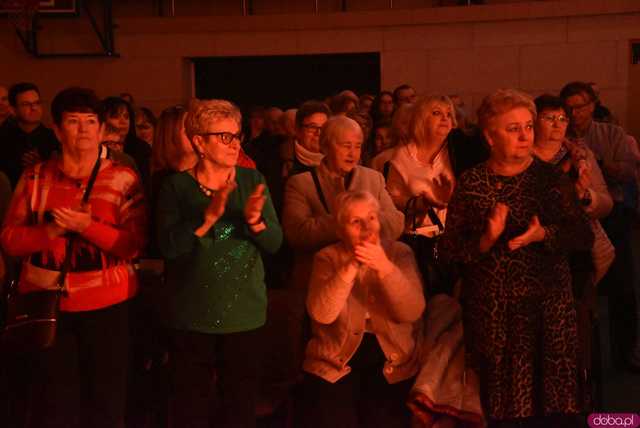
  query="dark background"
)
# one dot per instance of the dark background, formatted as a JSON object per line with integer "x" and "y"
{"x": 285, "y": 81}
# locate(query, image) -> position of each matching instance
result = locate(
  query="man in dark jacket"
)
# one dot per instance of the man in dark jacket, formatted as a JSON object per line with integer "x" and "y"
{"x": 24, "y": 140}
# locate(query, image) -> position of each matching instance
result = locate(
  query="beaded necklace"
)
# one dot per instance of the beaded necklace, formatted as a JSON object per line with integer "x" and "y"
{"x": 208, "y": 191}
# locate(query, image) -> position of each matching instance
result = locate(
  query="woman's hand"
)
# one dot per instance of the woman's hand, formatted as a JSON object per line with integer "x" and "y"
{"x": 254, "y": 205}
{"x": 373, "y": 257}
{"x": 534, "y": 233}
{"x": 584, "y": 180}
{"x": 495, "y": 226}
{"x": 216, "y": 208}
{"x": 349, "y": 267}
{"x": 440, "y": 192}
{"x": 75, "y": 220}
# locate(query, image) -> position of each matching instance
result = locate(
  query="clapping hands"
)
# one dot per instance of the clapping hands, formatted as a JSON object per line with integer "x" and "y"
{"x": 439, "y": 193}
{"x": 534, "y": 233}
{"x": 496, "y": 224}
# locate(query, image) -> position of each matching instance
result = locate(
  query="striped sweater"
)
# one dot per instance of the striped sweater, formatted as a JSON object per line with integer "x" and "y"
{"x": 101, "y": 273}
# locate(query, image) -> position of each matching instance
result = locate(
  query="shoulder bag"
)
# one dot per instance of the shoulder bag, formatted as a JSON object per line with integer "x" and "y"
{"x": 31, "y": 319}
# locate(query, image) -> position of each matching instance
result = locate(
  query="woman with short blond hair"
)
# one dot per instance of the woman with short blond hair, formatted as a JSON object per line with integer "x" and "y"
{"x": 511, "y": 222}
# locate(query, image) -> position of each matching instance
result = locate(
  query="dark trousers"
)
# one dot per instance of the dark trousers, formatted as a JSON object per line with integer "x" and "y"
{"x": 361, "y": 399}
{"x": 82, "y": 380}
{"x": 214, "y": 379}
{"x": 618, "y": 283}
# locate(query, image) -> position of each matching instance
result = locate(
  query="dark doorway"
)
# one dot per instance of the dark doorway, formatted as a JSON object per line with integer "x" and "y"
{"x": 285, "y": 81}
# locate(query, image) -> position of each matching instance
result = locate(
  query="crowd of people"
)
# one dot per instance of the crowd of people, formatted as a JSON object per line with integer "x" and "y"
{"x": 372, "y": 261}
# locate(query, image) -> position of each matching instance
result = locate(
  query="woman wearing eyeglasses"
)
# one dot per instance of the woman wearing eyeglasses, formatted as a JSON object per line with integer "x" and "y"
{"x": 213, "y": 220}
{"x": 587, "y": 267}
{"x": 573, "y": 158}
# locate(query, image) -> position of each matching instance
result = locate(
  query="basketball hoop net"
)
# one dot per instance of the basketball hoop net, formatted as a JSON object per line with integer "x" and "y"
{"x": 21, "y": 12}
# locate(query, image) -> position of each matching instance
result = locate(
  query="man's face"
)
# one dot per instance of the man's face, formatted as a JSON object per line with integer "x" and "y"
{"x": 580, "y": 108}
{"x": 5, "y": 110}
{"x": 309, "y": 133}
{"x": 28, "y": 107}
{"x": 406, "y": 96}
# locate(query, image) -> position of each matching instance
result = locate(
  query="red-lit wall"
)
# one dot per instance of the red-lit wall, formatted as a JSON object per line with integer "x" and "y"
{"x": 536, "y": 46}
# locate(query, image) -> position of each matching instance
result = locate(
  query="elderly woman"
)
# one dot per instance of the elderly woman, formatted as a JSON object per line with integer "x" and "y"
{"x": 577, "y": 160}
{"x": 365, "y": 302}
{"x": 213, "y": 220}
{"x": 510, "y": 224}
{"x": 587, "y": 267}
{"x": 310, "y": 197}
{"x": 84, "y": 211}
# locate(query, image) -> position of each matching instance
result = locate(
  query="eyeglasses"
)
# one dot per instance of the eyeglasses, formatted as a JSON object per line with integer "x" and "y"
{"x": 552, "y": 118}
{"x": 27, "y": 104}
{"x": 225, "y": 138}
{"x": 311, "y": 128}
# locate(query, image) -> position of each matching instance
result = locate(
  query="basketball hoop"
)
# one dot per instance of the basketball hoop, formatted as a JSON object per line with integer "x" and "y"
{"x": 21, "y": 13}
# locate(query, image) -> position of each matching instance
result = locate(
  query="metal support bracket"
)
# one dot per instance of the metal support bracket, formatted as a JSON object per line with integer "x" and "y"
{"x": 105, "y": 35}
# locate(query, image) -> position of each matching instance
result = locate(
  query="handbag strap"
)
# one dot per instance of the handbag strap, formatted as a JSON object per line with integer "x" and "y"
{"x": 316, "y": 182}
{"x": 433, "y": 216}
{"x": 410, "y": 209}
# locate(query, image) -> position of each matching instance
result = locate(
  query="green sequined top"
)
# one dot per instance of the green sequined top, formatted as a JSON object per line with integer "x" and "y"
{"x": 215, "y": 283}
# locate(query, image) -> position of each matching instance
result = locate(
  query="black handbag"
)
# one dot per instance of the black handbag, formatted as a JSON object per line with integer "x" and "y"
{"x": 438, "y": 277}
{"x": 31, "y": 319}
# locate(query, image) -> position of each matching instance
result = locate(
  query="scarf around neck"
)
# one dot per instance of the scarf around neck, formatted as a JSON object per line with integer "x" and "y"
{"x": 307, "y": 157}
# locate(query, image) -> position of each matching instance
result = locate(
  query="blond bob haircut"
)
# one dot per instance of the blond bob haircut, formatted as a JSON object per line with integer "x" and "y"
{"x": 503, "y": 101}
{"x": 345, "y": 200}
{"x": 334, "y": 127}
{"x": 422, "y": 109}
{"x": 203, "y": 113}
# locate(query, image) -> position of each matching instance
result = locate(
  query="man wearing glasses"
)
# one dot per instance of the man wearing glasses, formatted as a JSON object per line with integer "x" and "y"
{"x": 25, "y": 140}
{"x": 619, "y": 161}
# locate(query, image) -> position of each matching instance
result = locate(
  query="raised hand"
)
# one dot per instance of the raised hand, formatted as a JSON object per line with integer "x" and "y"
{"x": 254, "y": 205}
{"x": 534, "y": 233}
{"x": 348, "y": 267}
{"x": 440, "y": 191}
{"x": 373, "y": 257}
{"x": 30, "y": 158}
{"x": 496, "y": 223}
{"x": 584, "y": 180}
{"x": 216, "y": 207}
{"x": 497, "y": 220}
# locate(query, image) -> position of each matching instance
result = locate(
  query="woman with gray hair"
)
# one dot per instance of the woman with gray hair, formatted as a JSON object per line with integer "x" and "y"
{"x": 512, "y": 221}
{"x": 213, "y": 220}
{"x": 310, "y": 197}
{"x": 365, "y": 301}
